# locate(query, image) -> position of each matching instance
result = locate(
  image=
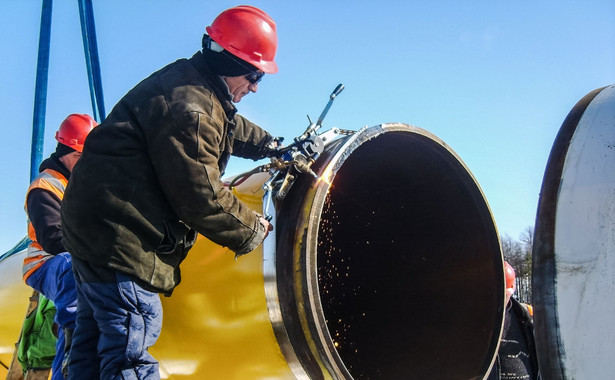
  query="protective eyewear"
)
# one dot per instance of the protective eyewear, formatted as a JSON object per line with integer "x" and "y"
{"x": 255, "y": 77}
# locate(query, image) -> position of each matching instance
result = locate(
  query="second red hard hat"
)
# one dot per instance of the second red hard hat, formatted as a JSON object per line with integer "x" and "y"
{"x": 74, "y": 129}
{"x": 509, "y": 273}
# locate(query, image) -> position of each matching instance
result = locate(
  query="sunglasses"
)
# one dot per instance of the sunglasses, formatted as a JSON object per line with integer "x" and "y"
{"x": 255, "y": 77}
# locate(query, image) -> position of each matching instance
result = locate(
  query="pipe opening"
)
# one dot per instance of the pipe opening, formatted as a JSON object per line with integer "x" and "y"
{"x": 396, "y": 268}
{"x": 406, "y": 258}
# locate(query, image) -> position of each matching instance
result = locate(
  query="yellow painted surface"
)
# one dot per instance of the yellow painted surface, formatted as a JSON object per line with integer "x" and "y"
{"x": 216, "y": 324}
{"x": 14, "y": 300}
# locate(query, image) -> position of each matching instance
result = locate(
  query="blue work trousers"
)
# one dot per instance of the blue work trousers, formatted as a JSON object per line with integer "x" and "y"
{"x": 55, "y": 280}
{"x": 116, "y": 324}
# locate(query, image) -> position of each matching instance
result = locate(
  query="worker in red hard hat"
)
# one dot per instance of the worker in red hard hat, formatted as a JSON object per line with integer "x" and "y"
{"x": 47, "y": 267}
{"x": 511, "y": 286}
{"x": 240, "y": 46}
{"x": 149, "y": 180}
{"x": 517, "y": 357}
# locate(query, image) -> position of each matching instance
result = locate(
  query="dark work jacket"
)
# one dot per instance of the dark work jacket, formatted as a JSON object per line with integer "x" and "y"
{"x": 527, "y": 328}
{"x": 149, "y": 177}
{"x": 44, "y": 210}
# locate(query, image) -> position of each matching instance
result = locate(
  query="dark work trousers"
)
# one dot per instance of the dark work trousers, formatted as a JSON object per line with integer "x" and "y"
{"x": 116, "y": 323}
{"x": 55, "y": 280}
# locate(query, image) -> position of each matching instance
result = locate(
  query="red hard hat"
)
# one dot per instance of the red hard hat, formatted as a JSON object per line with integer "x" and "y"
{"x": 249, "y": 34}
{"x": 509, "y": 273}
{"x": 74, "y": 130}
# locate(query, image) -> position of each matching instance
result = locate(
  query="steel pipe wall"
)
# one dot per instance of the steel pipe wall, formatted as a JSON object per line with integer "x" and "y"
{"x": 389, "y": 265}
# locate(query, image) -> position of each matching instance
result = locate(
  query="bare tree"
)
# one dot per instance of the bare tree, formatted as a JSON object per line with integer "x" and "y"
{"x": 527, "y": 242}
{"x": 518, "y": 253}
{"x": 512, "y": 251}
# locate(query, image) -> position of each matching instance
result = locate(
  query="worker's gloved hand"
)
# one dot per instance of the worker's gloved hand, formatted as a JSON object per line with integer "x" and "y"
{"x": 268, "y": 226}
{"x": 275, "y": 147}
{"x": 277, "y": 142}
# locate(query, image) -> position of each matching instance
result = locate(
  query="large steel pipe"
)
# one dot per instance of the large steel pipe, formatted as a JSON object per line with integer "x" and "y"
{"x": 388, "y": 266}
{"x": 574, "y": 245}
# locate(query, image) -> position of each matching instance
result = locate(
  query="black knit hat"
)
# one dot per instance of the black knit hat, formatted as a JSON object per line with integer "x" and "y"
{"x": 62, "y": 150}
{"x": 224, "y": 63}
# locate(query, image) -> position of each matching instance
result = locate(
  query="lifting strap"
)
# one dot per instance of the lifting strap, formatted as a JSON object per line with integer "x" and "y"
{"x": 40, "y": 91}
{"x": 90, "y": 47}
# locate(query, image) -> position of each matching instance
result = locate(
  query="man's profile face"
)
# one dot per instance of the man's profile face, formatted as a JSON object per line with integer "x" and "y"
{"x": 239, "y": 87}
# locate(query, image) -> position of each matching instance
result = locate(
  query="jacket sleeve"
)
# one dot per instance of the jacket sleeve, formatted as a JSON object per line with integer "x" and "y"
{"x": 185, "y": 154}
{"x": 44, "y": 214}
{"x": 250, "y": 140}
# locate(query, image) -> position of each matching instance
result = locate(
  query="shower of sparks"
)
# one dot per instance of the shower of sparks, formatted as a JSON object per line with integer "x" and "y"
{"x": 327, "y": 175}
{"x": 334, "y": 278}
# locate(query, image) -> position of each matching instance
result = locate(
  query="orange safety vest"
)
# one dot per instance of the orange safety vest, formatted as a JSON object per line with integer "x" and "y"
{"x": 529, "y": 308}
{"x": 55, "y": 183}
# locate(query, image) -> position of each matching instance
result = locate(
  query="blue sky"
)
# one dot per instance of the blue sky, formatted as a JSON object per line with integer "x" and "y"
{"x": 492, "y": 79}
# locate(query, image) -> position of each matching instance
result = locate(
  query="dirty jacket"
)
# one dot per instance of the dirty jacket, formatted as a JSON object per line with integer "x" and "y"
{"x": 42, "y": 205}
{"x": 149, "y": 177}
{"x": 527, "y": 328}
